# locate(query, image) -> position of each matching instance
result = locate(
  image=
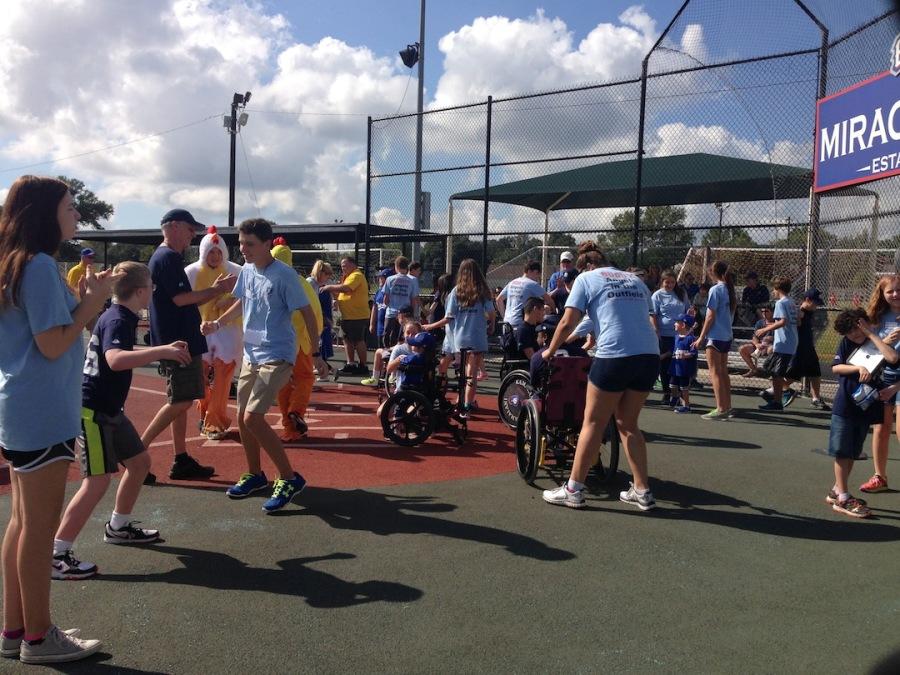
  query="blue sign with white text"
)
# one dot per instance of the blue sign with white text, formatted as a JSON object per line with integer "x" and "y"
{"x": 858, "y": 133}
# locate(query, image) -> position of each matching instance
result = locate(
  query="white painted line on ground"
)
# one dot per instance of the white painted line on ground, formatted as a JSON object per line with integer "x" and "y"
{"x": 307, "y": 445}
{"x": 342, "y": 436}
{"x": 187, "y": 440}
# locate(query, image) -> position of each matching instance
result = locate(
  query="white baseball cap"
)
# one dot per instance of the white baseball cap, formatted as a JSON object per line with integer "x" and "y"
{"x": 566, "y": 256}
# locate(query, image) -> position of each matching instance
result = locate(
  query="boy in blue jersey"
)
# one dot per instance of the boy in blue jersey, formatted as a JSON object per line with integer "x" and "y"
{"x": 267, "y": 294}
{"x": 400, "y": 290}
{"x": 512, "y": 298}
{"x": 108, "y": 438}
{"x": 784, "y": 345}
{"x": 683, "y": 367}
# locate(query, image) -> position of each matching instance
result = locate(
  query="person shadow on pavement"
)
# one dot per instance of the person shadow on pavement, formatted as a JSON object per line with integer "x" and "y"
{"x": 382, "y": 514}
{"x": 223, "y": 572}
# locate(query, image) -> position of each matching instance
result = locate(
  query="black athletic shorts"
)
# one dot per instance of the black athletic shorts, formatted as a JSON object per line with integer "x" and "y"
{"x": 637, "y": 373}
{"x": 354, "y": 330}
{"x": 32, "y": 460}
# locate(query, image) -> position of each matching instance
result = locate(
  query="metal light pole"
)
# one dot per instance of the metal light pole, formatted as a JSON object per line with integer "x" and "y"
{"x": 232, "y": 122}
{"x": 417, "y": 224}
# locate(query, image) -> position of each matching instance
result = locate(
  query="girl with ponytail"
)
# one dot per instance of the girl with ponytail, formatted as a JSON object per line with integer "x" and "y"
{"x": 717, "y": 330}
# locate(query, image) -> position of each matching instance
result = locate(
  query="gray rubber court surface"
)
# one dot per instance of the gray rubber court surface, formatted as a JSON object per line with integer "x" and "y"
{"x": 743, "y": 568}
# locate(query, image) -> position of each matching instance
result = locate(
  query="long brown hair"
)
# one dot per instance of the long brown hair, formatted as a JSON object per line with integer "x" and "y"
{"x": 679, "y": 289}
{"x": 29, "y": 225}
{"x": 720, "y": 272}
{"x": 878, "y": 306}
{"x": 590, "y": 254}
{"x": 471, "y": 285}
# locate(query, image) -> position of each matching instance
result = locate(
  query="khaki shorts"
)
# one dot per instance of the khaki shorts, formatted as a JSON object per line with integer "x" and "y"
{"x": 183, "y": 383}
{"x": 259, "y": 384}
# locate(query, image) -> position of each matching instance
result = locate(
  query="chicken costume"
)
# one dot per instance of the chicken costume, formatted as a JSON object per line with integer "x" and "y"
{"x": 293, "y": 398}
{"x": 225, "y": 345}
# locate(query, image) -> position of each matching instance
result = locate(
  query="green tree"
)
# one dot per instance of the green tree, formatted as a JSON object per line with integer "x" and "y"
{"x": 89, "y": 205}
{"x": 663, "y": 236}
{"x": 561, "y": 239}
{"x": 736, "y": 237}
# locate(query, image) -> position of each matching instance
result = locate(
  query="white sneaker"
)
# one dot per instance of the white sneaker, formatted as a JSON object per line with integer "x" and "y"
{"x": 563, "y": 497}
{"x": 58, "y": 647}
{"x": 66, "y": 566}
{"x": 10, "y": 647}
{"x": 644, "y": 502}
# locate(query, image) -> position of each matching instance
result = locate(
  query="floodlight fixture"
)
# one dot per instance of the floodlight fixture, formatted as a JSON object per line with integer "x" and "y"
{"x": 242, "y": 119}
{"x": 410, "y": 55}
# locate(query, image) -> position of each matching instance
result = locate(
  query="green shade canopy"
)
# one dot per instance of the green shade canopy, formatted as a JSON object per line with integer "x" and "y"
{"x": 697, "y": 178}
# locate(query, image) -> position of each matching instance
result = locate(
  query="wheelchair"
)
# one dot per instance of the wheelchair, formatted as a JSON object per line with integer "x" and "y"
{"x": 512, "y": 358}
{"x": 550, "y": 419}
{"x": 412, "y": 414}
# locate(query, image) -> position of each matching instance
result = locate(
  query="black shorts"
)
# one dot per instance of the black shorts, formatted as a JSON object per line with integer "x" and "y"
{"x": 105, "y": 442}
{"x": 637, "y": 373}
{"x": 183, "y": 383}
{"x": 777, "y": 364}
{"x": 354, "y": 330}
{"x": 32, "y": 460}
{"x": 391, "y": 332}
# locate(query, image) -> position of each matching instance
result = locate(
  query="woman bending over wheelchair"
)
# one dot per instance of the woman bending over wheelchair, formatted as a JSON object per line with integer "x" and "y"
{"x": 469, "y": 318}
{"x": 625, "y": 368}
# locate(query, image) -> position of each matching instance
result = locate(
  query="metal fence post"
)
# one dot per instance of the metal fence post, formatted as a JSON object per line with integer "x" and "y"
{"x": 635, "y": 235}
{"x": 487, "y": 186}
{"x": 367, "y": 224}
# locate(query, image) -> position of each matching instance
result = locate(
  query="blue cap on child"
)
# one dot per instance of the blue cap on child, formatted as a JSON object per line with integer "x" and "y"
{"x": 686, "y": 319}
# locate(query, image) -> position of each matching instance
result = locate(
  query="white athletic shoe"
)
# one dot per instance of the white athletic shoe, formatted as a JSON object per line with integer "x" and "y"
{"x": 644, "y": 502}
{"x": 563, "y": 497}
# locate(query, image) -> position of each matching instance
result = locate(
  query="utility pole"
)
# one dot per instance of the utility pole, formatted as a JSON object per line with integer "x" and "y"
{"x": 417, "y": 224}
{"x": 232, "y": 122}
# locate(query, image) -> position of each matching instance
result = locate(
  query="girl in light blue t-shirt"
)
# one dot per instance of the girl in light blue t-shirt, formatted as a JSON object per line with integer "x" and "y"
{"x": 41, "y": 324}
{"x": 716, "y": 336}
{"x": 669, "y": 302}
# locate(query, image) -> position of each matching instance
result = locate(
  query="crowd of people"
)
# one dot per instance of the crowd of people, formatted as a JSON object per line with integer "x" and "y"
{"x": 214, "y": 317}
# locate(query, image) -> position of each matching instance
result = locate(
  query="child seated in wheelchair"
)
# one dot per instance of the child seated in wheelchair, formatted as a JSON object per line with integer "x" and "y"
{"x": 384, "y": 355}
{"x": 413, "y": 362}
{"x": 576, "y": 345}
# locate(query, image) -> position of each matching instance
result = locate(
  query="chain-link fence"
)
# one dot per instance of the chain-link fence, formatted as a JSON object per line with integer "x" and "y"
{"x": 694, "y": 99}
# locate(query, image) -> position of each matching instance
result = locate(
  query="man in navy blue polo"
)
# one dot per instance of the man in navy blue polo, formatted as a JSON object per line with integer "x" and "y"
{"x": 174, "y": 316}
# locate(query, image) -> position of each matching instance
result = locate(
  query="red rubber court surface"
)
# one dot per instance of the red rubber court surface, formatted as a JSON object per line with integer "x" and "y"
{"x": 345, "y": 447}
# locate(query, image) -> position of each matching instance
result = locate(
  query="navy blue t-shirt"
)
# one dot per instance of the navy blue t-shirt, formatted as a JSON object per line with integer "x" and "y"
{"x": 526, "y": 336}
{"x": 102, "y": 389}
{"x": 843, "y": 404}
{"x": 168, "y": 321}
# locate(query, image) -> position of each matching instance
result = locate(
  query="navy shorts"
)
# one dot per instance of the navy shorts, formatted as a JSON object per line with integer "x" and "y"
{"x": 32, "y": 460}
{"x": 722, "y": 346}
{"x": 681, "y": 381}
{"x": 637, "y": 373}
{"x": 847, "y": 437}
{"x": 777, "y": 364}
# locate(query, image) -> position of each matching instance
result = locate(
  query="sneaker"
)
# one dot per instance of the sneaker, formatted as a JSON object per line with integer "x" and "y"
{"x": 644, "y": 502}
{"x": 299, "y": 423}
{"x": 788, "y": 397}
{"x": 247, "y": 484}
{"x": 852, "y": 507}
{"x": 189, "y": 469}
{"x": 284, "y": 492}
{"x": 150, "y": 479}
{"x": 562, "y": 496}
{"x": 767, "y": 394}
{"x": 832, "y": 498}
{"x": 66, "y": 566}
{"x": 875, "y": 484}
{"x": 216, "y": 434}
{"x": 10, "y": 647}
{"x": 683, "y": 409}
{"x": 819, "y": 404}
{"x": 348, "y": 369}
{"x": 771, "y": 406}
{"x": 130, "y": 534}
{"x": 716, "y": 415}
{"x": 57, "y": 647}
{"x": 369, "y": 381}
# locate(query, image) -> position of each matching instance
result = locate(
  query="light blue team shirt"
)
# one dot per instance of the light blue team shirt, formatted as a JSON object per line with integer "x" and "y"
{"x": 468, "y": 325}
{"x": 584, "y": 328}
{"x": 40, "y": 398}
{"x": 515, "y": 294}
{"x": 718, "y": 302}
{"x": 785, "y": 337}
{"x": 619, "y": 304}
{"x": 399, "y": 291}
{"x": 889, "y": 322}
{"x": 268, "y": 298}
{"x": 667, "y": 307}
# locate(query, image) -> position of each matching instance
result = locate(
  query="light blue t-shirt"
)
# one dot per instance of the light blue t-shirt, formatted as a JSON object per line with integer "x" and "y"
{"x": 268, "y": 298}
{"x": 40, "y": 398}
{"x": 888, "y": 323}
{"x": 399, "y": 291}
{"x": 619, "y": 304}
{"x": 468, "y": 324}
{"x": 584, "y": 327}
{"x": 515, "y": 294}
{"x": 667, "y": 307}
{"x": 785, "y": 337}
{"x": 718, "y": 302}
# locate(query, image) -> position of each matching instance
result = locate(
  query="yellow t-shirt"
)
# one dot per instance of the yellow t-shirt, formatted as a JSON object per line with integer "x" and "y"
{"x": 355, "y": 305}
{"x": 304, "y": 344}
{"x": 74, "y": 277}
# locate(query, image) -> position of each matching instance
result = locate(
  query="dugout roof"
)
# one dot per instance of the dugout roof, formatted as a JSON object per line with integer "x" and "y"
{"x": 697, "y": 178}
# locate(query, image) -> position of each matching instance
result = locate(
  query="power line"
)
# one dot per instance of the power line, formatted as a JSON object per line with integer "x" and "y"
{"x": 306, "y": 114}
{"x": 111, "y": 147}
{"x": 249, "y": 175}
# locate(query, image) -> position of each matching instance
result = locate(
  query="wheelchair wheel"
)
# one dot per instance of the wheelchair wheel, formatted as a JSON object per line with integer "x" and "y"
{"x": 407, "y": 418}
{"x": 515, "y": 389}
{"x": 608, "y": 462}
{"x": 528, "y": 441}
{"x": 390, "y": 384}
